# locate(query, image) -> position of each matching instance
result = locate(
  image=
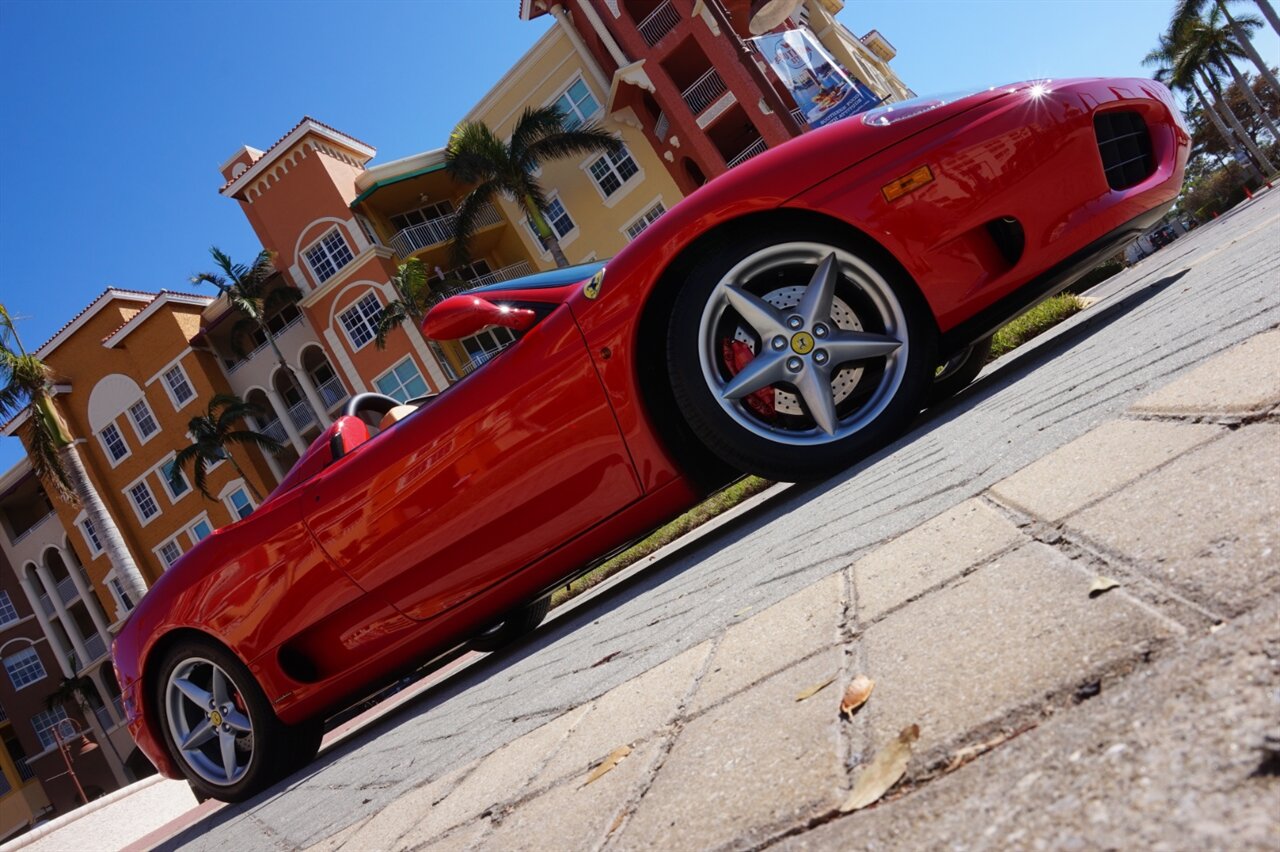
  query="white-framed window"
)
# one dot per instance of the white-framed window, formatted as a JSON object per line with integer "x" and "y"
{"x": 178, "y": 386}
{"x": 144, "y": 502}
{"x": 24, "y": 667}
{"x": 239, "y": 503}
{"x": 44, "y": 722}
{"x": 402, "y": 382}
{"x": 124, "y": 603}
{"x": 144, "y": 422}
{"x": 558, "y": 218}
{"x": 484, "y": 345}
{"x": 328, "y": 254}
{"x": 169, "y": 552}
{"x": 612, "y": 170}
{"x": 646, "y": 219}
{"x": 577, "y": 103}
{"x": 174, "y": 480}
{"x": 113, "y": 444}
{"x": 370, "y": 233}
{"x": 200, "y": 529}
{"x": 90, "y": 533}
{"x": 360, "y": 321}
{"x": 8, "y": 612}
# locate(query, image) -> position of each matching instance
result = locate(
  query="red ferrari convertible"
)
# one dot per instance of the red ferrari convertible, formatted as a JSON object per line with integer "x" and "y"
{"x": 785, "y": 319}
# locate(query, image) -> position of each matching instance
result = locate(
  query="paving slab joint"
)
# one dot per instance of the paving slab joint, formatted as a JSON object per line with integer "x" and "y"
{"x": 668, "y": 740}
{"x": 851, "y": 734}
{"x": 1180, "y": 613}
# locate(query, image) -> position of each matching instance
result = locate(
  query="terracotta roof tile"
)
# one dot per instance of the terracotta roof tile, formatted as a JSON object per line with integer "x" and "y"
{"x": 85, "y": 310}
{"x": 276, "y": 143}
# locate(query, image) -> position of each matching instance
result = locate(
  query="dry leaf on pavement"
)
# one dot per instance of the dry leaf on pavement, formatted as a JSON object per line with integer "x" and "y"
{"x": 856, "y": 694}
{"x": 615, "y": 757}
{"x": 815, "y": 689}
{"x": 1102, "y": 585}
{"x": 889, "y": 764}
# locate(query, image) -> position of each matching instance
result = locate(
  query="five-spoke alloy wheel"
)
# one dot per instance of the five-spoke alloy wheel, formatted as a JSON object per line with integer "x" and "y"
{"x": 219, "y": 727}
{"x": 791, "y": 356}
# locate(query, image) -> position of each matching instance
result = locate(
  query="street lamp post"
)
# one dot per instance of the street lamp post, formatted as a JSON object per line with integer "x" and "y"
{"x": 64, "y": 747}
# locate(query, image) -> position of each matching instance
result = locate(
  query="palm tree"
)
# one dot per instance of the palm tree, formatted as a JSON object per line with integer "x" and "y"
{"x": 28, "y": 386}
{"x": 1165, "y": 58}
{"x": 1204, "y": 48}
{"x": 248, "y": 290}
{"x": 1188, "y": 11}
{"x": 475, "y": 155}
{"x": 415, "y": 297}
{"x": 213, "y": 435}
{"x": 1217, "y": 44}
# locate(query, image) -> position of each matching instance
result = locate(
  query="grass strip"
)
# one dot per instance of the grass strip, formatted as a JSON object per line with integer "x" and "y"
{"x": 1035, "y": 321}
{"x": 1038, "y": 320}
{"x": 714, "y": 505}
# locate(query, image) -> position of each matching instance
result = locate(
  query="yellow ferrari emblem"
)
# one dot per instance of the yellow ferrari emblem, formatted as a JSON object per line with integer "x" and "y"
{"x": 215, "y": 717}
{"x": 802, "y": 343}
{"x": 592, "y": 290}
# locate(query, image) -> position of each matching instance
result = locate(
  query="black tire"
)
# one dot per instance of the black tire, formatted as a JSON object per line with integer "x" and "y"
{"x": 958, "y": 373}
{"x": 271, "y": 749}
{"x": 870, "y": 398}
{"x": 522, "y": 621}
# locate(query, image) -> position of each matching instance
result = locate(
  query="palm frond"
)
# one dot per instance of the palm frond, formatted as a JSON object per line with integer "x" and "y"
{"x": 535, "y": 123}
{"x": 464, "y": 222}
{"x": 43, "y": 453}
{"x": 254, "y": 439}
{"x": 390, "y": 318}
{"x": 586, "y": 139}
{"x": 475, "y": 153}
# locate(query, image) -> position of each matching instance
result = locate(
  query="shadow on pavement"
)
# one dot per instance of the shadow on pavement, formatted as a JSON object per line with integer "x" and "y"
{"x": 665, "y": 570}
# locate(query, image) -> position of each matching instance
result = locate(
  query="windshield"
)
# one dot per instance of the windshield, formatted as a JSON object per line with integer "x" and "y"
{"x": 550, "y": 278}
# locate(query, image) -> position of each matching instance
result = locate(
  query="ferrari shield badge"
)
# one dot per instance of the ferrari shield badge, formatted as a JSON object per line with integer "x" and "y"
{"x": 592, "y": 290}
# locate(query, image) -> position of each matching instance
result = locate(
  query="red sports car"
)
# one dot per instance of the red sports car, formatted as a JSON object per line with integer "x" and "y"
{"x": 784, "y": 320}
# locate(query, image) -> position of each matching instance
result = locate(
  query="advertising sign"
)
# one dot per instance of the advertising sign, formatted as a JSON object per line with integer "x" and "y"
{"x": 821, "y": 88}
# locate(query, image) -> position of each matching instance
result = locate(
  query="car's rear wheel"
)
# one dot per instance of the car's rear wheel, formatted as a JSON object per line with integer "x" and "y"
{"x": 959, "y": 371}
{"x": 219, "y": 726}
{"x": 793, "y": 354}
{"x": 517, "y": 624}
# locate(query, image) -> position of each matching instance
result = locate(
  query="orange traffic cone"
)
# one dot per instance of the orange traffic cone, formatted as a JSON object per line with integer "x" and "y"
{"x": 1248, "y": 194}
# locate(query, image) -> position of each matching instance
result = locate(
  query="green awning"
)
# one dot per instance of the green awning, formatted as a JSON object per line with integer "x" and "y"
{"x": 406, "y": 176}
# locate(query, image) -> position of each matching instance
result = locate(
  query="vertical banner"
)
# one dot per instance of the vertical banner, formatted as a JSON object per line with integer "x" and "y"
{"x": 822, "y": 89}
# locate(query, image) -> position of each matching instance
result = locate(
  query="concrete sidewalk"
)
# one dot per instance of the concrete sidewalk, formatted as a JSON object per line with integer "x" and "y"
{"x": 1090, "y": 648}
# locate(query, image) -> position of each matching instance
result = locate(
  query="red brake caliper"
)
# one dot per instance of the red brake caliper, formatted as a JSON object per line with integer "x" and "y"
{"x": 737, "y": 355}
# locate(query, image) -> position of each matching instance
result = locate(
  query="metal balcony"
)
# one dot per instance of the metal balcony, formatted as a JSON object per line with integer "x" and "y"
{"x": 95, "y": 648}
{"x": 104, "y": 718}
{"x": 704, "y": 92}
{"x": 433, "y": 232}
{"x": 506, "y": 273}
{"x": 46, "y": 605}
{"x": 662, "y": 127}
{"x": 274, "y": 430}
{"x": 266, "y": 344}
{"x": 29, "y": 530}
{"x": 332, "y": 392}
{"x": 658, "y": 23}
{"x": 302, "y": 414}
{"x": 67, "y": 590}
{"x": 754, "y": 149}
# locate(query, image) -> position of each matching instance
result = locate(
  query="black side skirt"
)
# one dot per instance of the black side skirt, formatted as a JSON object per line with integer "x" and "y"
{"x": 1050, "y": 283}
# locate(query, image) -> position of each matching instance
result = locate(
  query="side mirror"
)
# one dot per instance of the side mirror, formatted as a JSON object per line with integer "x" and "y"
{"x": 463, "y": 315}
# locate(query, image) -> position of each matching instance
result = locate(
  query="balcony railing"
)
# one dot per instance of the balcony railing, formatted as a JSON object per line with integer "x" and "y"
{"x": 67, "y": 590}
{"x": 433, "y": 232}
{"x": 95, "y": 648}
{"x": 274, "y": 430}
{"x": 662, "y": 127}
{"x": 4, "y": 716}
{"x": 302, "y": 414}
{"x": 658, "y": 23}
{"x": 25, "y": 772}
{"x": 705, "y": 91}
{"x": 104, "y": 718}
{"x": 46, "y": 605}
{"x": 29, "y": 530}
{"x": 506, "y": 273}
{"x": 798, "y": 115}
{"x": 332, "y": 392}
{"x": 248, "y": 356}
{"x": 754, "y": 149}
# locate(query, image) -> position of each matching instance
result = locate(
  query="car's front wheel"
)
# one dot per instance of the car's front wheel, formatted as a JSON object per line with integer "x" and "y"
{"x": 219, "y": 726}
{"x": 793, "y": 354}
{"x": 516, "y": 624}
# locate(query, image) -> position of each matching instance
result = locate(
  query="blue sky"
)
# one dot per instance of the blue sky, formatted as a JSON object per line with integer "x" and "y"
{"x": 118, "y": 114}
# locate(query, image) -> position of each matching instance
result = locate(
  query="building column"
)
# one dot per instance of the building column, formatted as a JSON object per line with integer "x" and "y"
{"x": 105, "y": 746}
{"x": 313, "y": 397}
{"x": 286, "y": 422}
{"x": 274, "y": 464}
{"x": 87, "y": 595}
{"x": 33, "y": 598}
{"x": 101, "y": 685}
{"x": 68, "y": 625}
{"x": 344, "y": 361}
